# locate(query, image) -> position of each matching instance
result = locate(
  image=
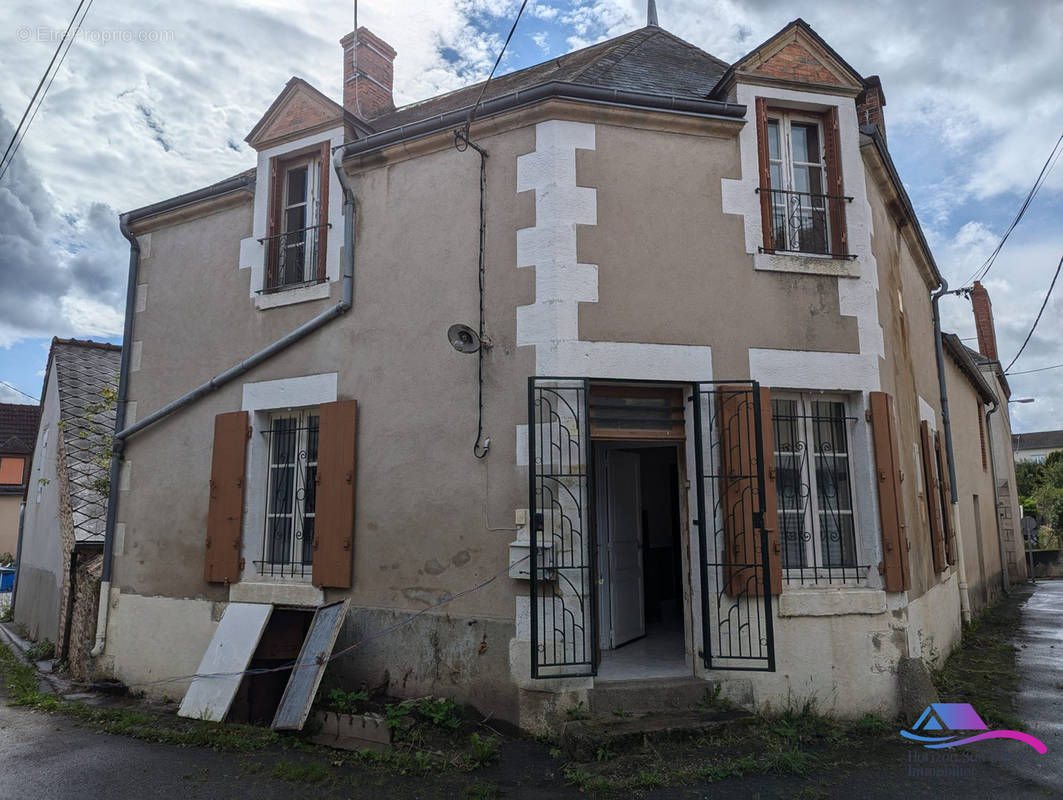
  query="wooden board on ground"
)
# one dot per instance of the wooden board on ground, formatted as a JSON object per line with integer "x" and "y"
{"x": 306, "y": 675}
{"x": 221, "y": 670}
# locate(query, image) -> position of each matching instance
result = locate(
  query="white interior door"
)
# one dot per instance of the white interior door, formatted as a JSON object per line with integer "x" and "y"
{"x": 625, "y": 548}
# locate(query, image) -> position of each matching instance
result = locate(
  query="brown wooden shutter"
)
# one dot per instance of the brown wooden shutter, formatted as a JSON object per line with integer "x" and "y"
{"x": 894, "y": 564}
{"x": 334, "y": 509}
{"x": 946, "y": 498}
{"x": 771, "y": 496}
{"x": 835, "y": 185}
{"x": 273, "y": 224}
{"x": 322, "y": 215}
{"x": 738, "y": 492}
{"x": 932, "y": 493}
{"x": 765, "y": 173}
{"x": 225, "y": 513}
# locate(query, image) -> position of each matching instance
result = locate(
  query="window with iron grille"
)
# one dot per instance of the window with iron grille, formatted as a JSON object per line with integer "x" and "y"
{"x": 814, "y": 488}
{"x": 290, "y": 494}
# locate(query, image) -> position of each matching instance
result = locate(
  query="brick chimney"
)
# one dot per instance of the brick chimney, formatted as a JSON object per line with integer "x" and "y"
{"x": 983, "y": 322}
{"x": 367, "y": 74}
{"x": 869, "y": 104}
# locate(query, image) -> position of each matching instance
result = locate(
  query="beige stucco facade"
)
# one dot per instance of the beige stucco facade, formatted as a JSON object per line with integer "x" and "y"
{"x": 619, "y": 244}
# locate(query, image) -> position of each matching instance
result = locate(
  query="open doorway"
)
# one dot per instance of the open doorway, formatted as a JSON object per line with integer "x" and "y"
{"x": 640, "y": 561}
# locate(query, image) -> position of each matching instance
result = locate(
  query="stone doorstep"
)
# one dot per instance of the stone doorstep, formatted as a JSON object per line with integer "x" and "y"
{"x": 351, "y": 731}
{"x": 662, "y": 694}
{"x": 582, "y": 740}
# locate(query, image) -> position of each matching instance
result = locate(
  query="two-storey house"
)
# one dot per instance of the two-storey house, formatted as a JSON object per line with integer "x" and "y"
{"x": 624, "y": 370}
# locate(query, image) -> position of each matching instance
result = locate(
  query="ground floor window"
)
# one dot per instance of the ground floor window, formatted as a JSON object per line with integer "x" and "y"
{"x": 290, "y": 493}
{"x": 814, "y": 487}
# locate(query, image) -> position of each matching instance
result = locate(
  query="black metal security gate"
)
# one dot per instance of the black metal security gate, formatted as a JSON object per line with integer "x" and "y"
{"x": 735, "y": 584}
{"x": 564, "y": 628}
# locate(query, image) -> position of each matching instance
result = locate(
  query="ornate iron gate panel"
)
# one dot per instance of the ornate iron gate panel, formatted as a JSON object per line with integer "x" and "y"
{"x": 735, "y": 586}
{"x": 564, "y": 628}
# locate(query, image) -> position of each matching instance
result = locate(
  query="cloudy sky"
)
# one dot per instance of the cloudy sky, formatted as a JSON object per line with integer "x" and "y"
{"x": 156, "y": 97}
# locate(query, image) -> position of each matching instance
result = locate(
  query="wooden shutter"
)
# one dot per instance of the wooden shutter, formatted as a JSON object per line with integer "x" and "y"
{"x": 334, "y": 509}
{"x": 273, "y": 221}
{"x": 894, "y": 564}
{"x": 771, "y": 496}
{"x": 225, "y": 513}
{"x": 322, "y": 213}
{"x": 832, "y": 152}
{"x": 739, "y": 496}
{"x": 765, "y": 174}
{"x": 946, "y": 497}
{"x": 932, "y": 493}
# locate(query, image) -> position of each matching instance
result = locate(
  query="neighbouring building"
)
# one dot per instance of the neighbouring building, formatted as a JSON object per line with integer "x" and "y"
{"x": 18, "y": 432}
{"x": 691, "y": 432}
{"x": 1036, "y": 445}
{"x": 66, "y": 506}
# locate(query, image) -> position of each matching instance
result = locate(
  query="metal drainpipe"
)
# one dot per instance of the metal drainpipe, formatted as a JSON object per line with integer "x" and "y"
{"x": 996, "y": 512}
{"x": 18, "y": 550}
{"x": 965, "y": 598}
{"x": 123, "y": 434}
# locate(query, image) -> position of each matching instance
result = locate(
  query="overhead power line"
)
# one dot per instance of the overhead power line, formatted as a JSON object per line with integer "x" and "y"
{"x": 1048, "y": 294}
{"x": 43, "y": 85}
{"x": 1042, "y": 176}
{"x": 1041, "y": 369}
{"x": 16, "y": 389}
{"x": 502, "y": 52}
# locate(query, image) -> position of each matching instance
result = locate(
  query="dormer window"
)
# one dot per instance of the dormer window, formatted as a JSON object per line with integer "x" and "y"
{"x": 298, "y": 220}
{"x": 801, "y": 191}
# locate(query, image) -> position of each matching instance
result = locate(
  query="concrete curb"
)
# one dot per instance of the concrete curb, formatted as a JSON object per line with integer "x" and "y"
{"x": 19, "y": 646}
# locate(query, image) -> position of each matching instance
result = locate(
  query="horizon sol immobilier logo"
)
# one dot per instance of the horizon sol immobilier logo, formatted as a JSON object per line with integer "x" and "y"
{"x": 945, "y": 722}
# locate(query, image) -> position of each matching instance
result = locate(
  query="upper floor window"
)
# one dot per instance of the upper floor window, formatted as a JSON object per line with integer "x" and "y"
{"x": 298, "y": 220}
{"x": 801, "y": 191}
{"x": 12, "y": 471}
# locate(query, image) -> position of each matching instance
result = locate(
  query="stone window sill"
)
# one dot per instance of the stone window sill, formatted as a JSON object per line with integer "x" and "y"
{"x": 831, "y": 602}
{"x": 810, "y": 264}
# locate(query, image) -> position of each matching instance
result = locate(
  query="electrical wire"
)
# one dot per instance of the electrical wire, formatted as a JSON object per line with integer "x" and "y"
{"x": 16, "y": 389}
{"x": 502, "y": 52}
{"x": 1048, "y": 294}
{"x": 1029, "y": 371}
{"x": 1050, "y": 162}
{"x": 20, "y": 131}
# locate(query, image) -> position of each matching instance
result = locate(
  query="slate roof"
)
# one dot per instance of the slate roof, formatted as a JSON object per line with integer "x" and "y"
{"x": 83, "y": 370}
{"x": 1038, "y": 440}
{"x": 18, "y": 428}
{"x": 648, "y": 60}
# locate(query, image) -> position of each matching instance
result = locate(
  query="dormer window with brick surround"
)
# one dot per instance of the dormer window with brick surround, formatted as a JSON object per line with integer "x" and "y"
{"x": 803, "y": 203}
{"x": 298, "y": 220}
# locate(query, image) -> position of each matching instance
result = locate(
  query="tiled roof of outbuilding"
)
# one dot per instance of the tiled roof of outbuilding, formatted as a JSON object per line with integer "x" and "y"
{"x": 18, "y": 427}
{"x": 1038, "y": 440}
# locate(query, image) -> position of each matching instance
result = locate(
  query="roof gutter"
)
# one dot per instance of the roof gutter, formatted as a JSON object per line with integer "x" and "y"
{"x": 123, "y": 433}
{"x": 554, "y": 90}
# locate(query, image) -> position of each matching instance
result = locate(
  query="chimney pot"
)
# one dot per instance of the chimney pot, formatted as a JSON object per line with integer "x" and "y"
{"x": 367, "y": 74}
{"x": 983, "y": 322}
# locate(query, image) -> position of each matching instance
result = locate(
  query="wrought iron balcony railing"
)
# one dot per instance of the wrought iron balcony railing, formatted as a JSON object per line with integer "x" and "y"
{"x": 801, "y": 222}
{"x": 293, "y": 258}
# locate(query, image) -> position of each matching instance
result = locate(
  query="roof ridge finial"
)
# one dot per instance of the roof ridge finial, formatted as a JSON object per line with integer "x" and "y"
{"x": 651, "y": 13}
